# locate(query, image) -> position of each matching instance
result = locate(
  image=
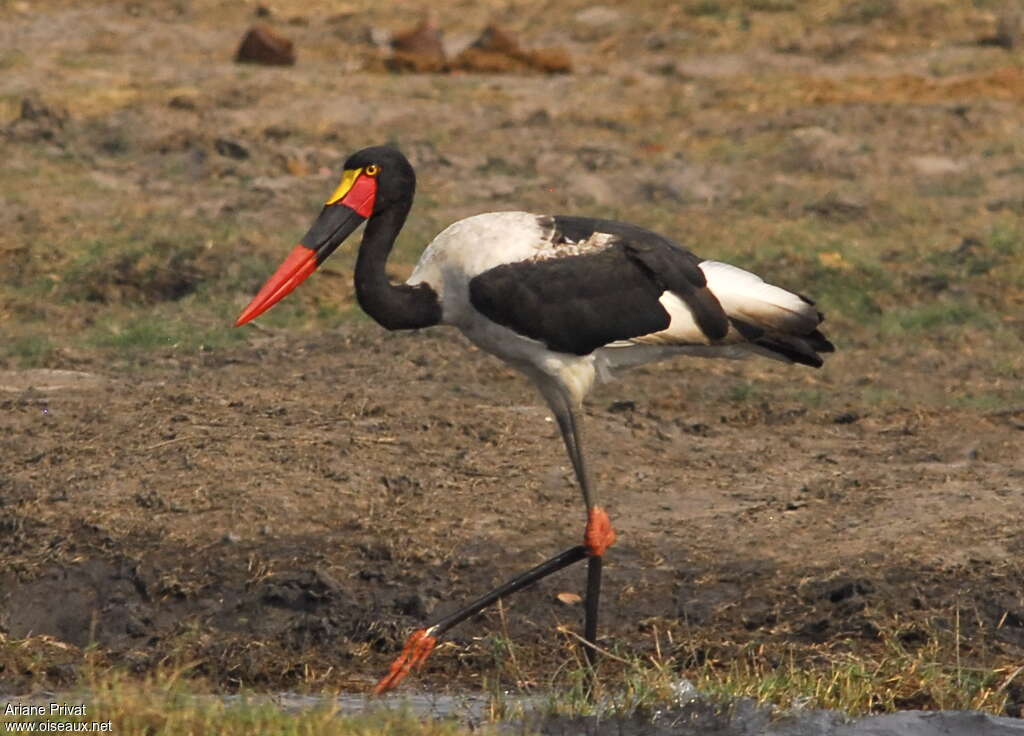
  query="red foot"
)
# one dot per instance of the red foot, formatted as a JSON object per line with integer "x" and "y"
{"x": 417, "y": 648}
{"x": 599, "y": 535}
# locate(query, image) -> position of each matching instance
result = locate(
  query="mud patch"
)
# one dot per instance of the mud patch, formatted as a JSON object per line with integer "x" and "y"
{"x": 225, "y": 509}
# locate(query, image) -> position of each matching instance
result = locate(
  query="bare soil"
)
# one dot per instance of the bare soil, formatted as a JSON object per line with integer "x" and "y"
{"x": 280, "y": 511}
{"x": 300, "y": 504}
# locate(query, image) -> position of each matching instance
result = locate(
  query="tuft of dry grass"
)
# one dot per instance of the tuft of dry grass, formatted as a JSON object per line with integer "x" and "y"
{"x": 167, "y": 703}
{"x": 910, "y": 668}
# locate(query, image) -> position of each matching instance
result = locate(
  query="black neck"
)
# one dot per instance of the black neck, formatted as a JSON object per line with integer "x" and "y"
{"x": 394, "y": 306}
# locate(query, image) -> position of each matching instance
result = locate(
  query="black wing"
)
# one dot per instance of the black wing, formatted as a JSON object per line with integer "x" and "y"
{"x": 578, "y": 303}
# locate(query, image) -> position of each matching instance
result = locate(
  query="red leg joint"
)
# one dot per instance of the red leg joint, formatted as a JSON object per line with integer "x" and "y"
{"x": 599, "y": 535}
{"x": 417, "y": 648}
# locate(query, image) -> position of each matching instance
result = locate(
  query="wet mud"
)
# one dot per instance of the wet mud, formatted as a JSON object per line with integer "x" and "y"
{"x": 286, "y": 513}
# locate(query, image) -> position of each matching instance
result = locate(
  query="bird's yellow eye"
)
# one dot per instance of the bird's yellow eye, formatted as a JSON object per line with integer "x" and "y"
{"x": 372, "y": 170}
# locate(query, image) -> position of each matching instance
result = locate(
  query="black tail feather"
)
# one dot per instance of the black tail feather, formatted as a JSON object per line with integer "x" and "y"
{"x": 819, "y": 342}
{"x": 796, "y": 349}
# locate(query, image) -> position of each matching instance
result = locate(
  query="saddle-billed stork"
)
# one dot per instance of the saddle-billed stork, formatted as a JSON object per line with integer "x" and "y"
{"x": 566, "y": 300}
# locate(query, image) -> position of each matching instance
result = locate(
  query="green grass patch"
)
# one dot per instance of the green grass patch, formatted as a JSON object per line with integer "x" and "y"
{"x": 706, "y": 8}
{"x": 988, "y": 401}
{"x": 937, "y": 315}
{"x": 29, "y": 351}
{"x": 865, "y": 11}
{"x": 153, "y": 331}
{"x": 971, "y": 185}
{"x": 771, "y": 6}
{"x": 743, "y": 391}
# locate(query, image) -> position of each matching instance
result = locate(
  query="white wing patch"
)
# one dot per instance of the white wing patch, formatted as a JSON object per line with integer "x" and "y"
{"x": 744, "y": 296}
{"x": 747, "y": 297}
{"x": 682, "y": 329}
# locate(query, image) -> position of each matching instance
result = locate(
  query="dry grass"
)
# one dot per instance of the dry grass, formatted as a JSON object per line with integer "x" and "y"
{"x": 167, "y": 703}
{"x": 909, "y": 668}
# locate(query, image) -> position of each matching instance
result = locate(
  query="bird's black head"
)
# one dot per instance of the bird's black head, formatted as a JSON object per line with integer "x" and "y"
{"x": 377, "y": 181}
{"x": 394, "y": 175}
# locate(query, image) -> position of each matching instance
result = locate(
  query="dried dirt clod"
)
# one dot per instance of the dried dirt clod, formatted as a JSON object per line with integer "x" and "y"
{"x": 418, "y": 49}
{"x": 499, "y": 40}
{"x": 37, "y": 121}
{"x": 1009, "y": 26}
{"x": 231, "y": 149}
{"x": 551, "y": 61}
{"x": 498, "y": 50}
{"x": 263, "y": 45}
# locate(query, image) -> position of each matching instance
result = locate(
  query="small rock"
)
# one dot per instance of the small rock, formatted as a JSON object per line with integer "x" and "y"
{"x": 846, "y": 417}
{"x": 569, "y": 599}
{"x": 617, "y": 407}
{"x": 935, "y": 165}
{"x": 231, "y": 538}
{"x": 540, "y": 116}
{"x": 277, "y": 132}
{"x": 666, "y": 432}
{"x": 182, "y": 102}
{"x": 378, "y": 36}
{"x": 597, "y": 16}
{"x": 231, "y": 149}
{"x": 262, "y": 45}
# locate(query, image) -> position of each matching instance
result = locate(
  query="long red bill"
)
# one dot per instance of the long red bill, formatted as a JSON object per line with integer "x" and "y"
{"x": 299, "y": 264}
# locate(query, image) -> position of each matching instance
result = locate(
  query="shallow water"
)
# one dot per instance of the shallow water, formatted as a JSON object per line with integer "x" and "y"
{"x": 701, "y": 718}
{"x": 692, "y": 715}
{"x": 471, "y": 709}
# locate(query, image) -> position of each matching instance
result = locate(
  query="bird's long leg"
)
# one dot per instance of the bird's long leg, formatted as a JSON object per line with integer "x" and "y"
{"x": 599, "y": 534}
{"x": 422, "y": 641}
{"x": 597, "y": 538}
